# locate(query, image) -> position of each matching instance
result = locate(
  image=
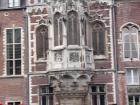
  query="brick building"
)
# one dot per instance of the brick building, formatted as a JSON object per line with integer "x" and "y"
{"x": 127, "y": 33}
{"x": 13, "y": 56}
{"x": 69, "y": 52}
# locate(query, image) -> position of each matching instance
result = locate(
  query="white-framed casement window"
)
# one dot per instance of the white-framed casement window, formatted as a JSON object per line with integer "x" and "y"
{"x": 46, "y": 95}
{"x": 13, "y": 103}
{"x": 13, "y": 51}
{"x": 132, "y": 76}
{"x": 130, "y": 42}
{"x": 58, "y": 29}
{"x": 13, "y": 3}
{"x": 134, "y": 100}
{"x": 98, "y": 94}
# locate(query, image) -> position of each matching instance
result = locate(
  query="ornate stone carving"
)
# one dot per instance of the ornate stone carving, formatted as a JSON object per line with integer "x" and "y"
{"x": 88, "y": 57}
{"x": 99, "y": 5}
{"x": 94, "y": 17}
{"x": 58, "y": 56}
{"x": 74, "y": 57}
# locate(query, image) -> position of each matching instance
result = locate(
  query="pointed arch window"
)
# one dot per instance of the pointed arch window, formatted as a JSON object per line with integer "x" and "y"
{"x": 58, "y": 30}
{"x": 73, "y": 35}
{"x": 42, "y": 42}
{"x": 130, "y": 41}
{"x": 98, "y": 38}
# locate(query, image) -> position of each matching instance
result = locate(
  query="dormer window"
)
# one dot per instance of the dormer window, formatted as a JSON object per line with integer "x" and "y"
{"x": 14, "y": 3}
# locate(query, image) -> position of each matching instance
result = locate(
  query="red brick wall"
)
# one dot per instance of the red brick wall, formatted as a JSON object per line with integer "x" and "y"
{"x": 12, "y": 87}
{"x": 125, "y": 12}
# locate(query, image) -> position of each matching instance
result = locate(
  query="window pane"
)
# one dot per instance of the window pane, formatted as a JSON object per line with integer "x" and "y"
{"x": 17, "y": 103}
{"x": 10, "y": 103}
{"x": 17, "y": 51}
{"x": 16, "y": 3}
{"x": 9, "y": 36}
{"x": 9, "y": 51}
{"x": 133, "y": 38}
{"x": 94, "y": 100}
{"x": 134, "y": 46}
{"x": 136, "y": 76}
{"x": 94, "y": 39}
{"x": 18, "y": 67}
{"x": 73, "y": 36}
{"x": 56, "y": 32}
{"x": 69, "y": 39}
{"x": 102, "y": 100}
{"x": 134, "y": 54}
{"x": 137, "y": 100}
{"x": 127, "y": 54}
{"x": 94, "y": 89}
{"x": 130, "y": 99}
{"x": 50, "y": 90}
{"x": 61, "y": 32}
{"x": 101, "y": 88}
{"x": 44, "y": 100}
{"x": 11, "y": 2}
{"x": 126, "y": 38}
{"x": 17, "y": 35}
{"x": 128, "y": 76}
{"x": 127, "y": 46}
{"x": 42, "y": 41}
{"x": 9, "y": 67}
{"x": 44, "y": 89}
{"x": 101, "y": 42}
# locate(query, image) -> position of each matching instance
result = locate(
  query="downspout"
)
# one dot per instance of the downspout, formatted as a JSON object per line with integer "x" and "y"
{"x": 114, "y": 35}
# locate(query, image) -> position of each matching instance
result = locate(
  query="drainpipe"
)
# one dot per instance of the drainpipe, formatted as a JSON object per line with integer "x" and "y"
{"x": 114, "y": 35}
{"x": 26, "y": 20}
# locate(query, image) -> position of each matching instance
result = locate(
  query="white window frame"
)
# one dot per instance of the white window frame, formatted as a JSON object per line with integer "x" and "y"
{"x": 98, "y": 94}
{"x": 21, "y": 30}
{"x": 47, "y": 94}
{"x": 14, "y": 3}
{"x": 131, "y": 80}
{"x": 137, "y": 43}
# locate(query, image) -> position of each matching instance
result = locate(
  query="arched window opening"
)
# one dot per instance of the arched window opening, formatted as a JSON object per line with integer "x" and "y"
{"x": 42, "y": 42}
{"x": 58, "y": 30}
{"x": 73, "y": 35}
{"x": 130, "y": 41}
{"x": 98, "y": 38}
